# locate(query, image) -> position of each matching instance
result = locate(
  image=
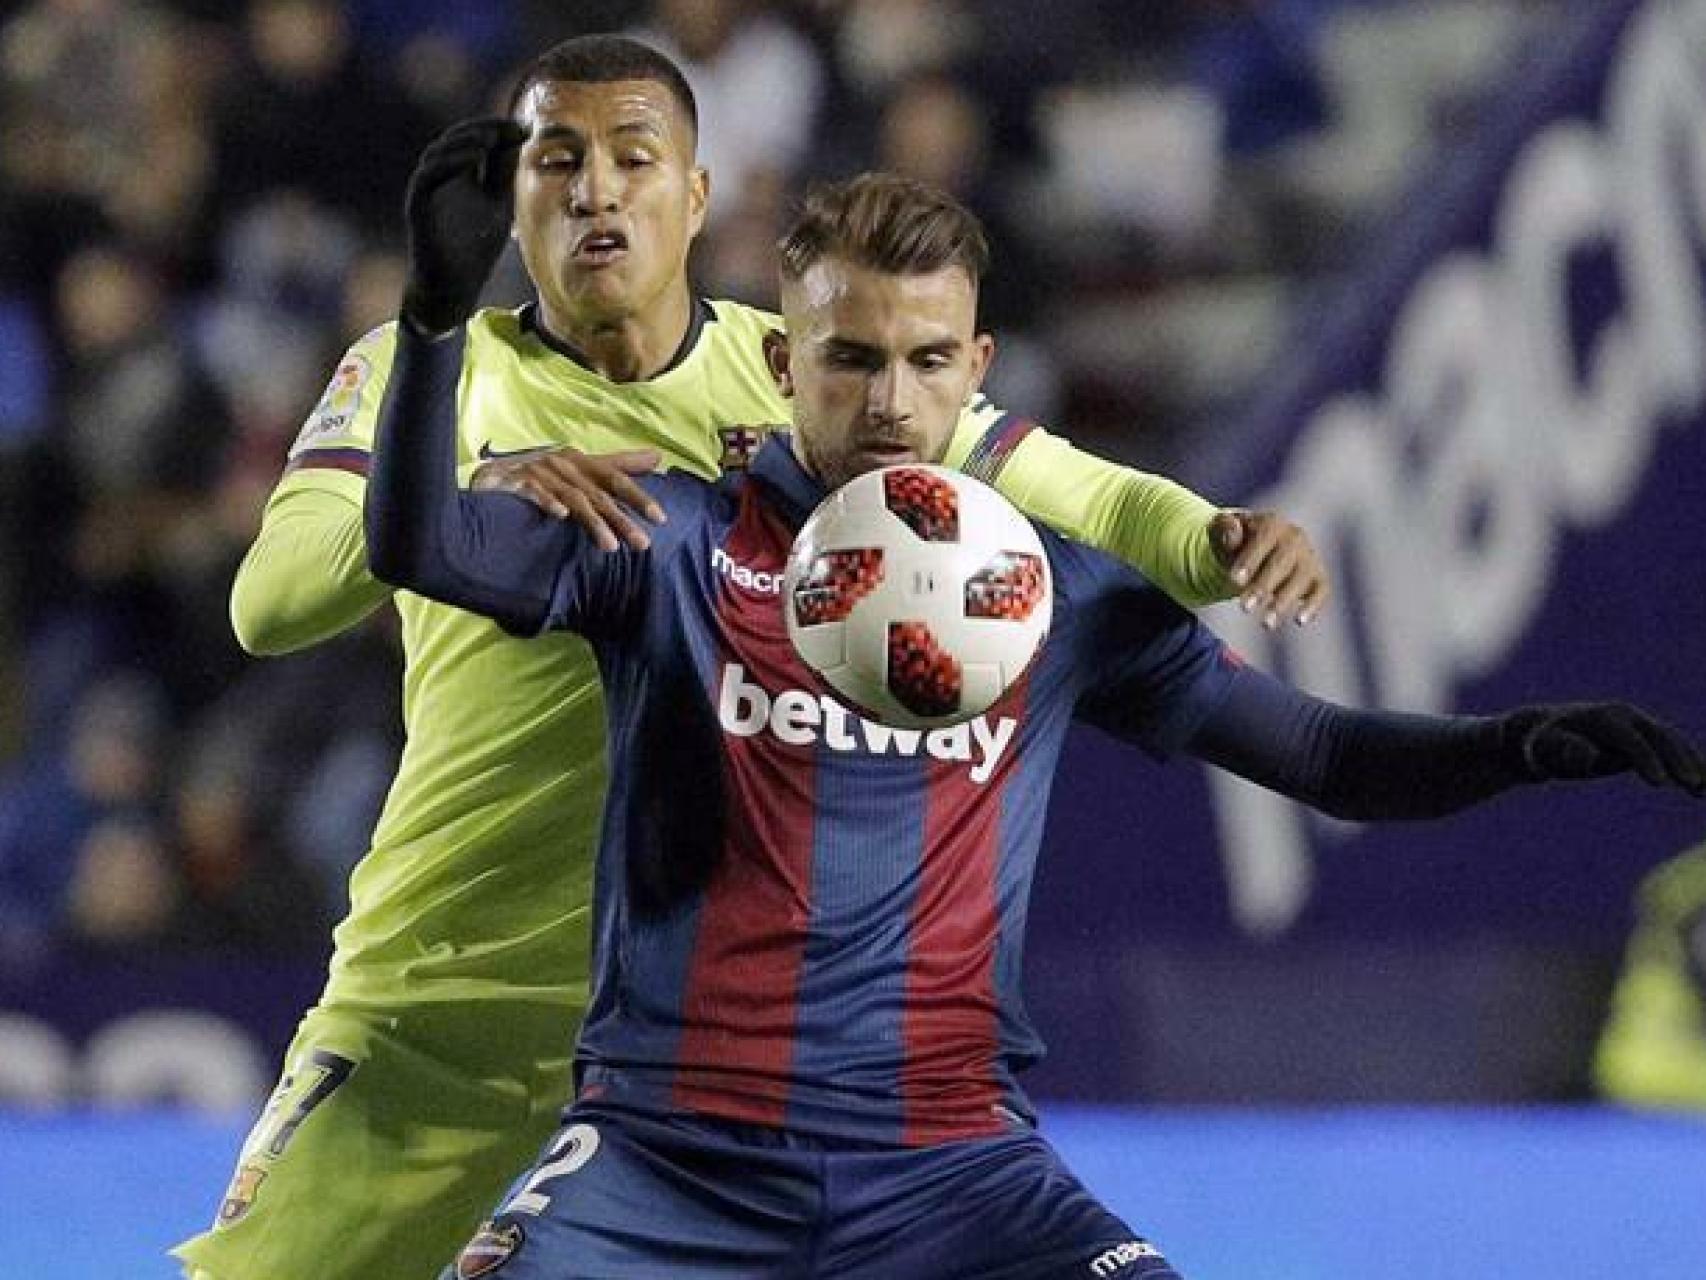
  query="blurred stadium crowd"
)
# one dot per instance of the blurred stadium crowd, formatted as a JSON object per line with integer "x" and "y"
{"x": 199, "y": 210}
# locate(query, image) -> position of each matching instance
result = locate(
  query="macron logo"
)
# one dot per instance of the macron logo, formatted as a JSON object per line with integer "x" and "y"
{"x": 766, "y": 584}
{"x": 1112, "y": 1261}
{"x": 746, "y": 709}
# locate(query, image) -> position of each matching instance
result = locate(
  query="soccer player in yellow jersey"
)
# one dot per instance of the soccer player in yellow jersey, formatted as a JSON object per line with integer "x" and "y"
{"x": 436, "y": 1061}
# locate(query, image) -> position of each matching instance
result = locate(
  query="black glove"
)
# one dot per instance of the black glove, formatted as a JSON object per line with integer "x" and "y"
{"x": 1598, "y": 739}
{"x": 458, "y": 209}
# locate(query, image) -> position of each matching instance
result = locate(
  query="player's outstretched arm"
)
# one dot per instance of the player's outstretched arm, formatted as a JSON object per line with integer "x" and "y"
{"x": 1191, "y": 549}
{"x": 1363, "y": 764}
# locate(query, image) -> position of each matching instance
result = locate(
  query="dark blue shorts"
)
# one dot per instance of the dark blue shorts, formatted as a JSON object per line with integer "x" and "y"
{"x": 623, "y": 1196}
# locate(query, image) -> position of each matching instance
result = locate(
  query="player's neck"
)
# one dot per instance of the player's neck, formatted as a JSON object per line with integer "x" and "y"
{"x": 628, "y": 348}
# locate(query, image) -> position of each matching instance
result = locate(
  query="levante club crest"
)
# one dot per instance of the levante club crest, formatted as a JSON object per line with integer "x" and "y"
{"x": 491, "y": 1247}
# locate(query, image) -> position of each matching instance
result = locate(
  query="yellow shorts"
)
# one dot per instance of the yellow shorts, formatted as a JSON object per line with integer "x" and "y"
{"x": 388, "y": 1139}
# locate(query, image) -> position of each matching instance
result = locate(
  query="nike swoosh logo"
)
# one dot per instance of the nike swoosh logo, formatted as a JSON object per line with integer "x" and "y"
{"x": 489, "y": 454}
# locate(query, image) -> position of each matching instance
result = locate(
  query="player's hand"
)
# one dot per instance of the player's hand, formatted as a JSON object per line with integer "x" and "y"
{"x": 1273, "y": 564}
{"x": 1598, "y": 739}
{"x": 596, "y": 490}
{"x": 457, "y": 211}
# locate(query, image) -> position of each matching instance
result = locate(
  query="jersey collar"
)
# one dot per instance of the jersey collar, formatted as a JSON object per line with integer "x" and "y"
{"x": 794, "y": 490}
{"x": 699, "y": 315}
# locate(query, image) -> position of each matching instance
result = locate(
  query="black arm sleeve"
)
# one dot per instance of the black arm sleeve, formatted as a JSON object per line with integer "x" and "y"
{"x": 493, "y": 554}
{"x": 1352, "y": 763}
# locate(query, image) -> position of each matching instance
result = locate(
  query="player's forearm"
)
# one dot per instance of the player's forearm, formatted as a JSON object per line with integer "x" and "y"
{"x": 1157, "y": 526}
{"x": 492, "y": 554}
{"x": 1358, "y": 764}
{"x": 305, "y": 579}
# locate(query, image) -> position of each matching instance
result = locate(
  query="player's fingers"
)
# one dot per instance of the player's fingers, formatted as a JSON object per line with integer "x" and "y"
{"x": 541, "y": 497}
{"x": 1315, "y": 600}
{"x": 1269, "y": 585}
{"x": 621, "y": 522}
{"x": 566, "y": 485}
{"x": 501, "y": 142}
{"x": 582, "y": 511}
{"x": 606, "y": 474}
{"x": 635, "y": 462}
{"x": 621, "y": 486}
{"x": 450, "y": 156}
{"x": 1261, "y": 534}
{"x": 1286, "y": 604}
{"x": 1681, "y": 761}
{"x": 1619, "y": 740}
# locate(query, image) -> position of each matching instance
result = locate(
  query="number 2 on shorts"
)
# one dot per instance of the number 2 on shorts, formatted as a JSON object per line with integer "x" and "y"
{"x": 573, "y": 1148}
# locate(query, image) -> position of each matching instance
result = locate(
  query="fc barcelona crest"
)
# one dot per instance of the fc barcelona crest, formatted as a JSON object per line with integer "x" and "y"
{"x": 240, "y": 1195}
{"x": 740, "y": 446}
{"x": 491, "y": 1247}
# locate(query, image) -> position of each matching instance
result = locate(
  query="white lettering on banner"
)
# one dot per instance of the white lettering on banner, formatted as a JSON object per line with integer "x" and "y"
{"x": 746, "y": 709}
{"x": 188, "y": 1056}
{"x": 1447, "y": 490}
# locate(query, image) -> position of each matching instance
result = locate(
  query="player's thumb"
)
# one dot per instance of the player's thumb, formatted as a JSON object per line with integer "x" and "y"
{"x": 1226, "y": 534}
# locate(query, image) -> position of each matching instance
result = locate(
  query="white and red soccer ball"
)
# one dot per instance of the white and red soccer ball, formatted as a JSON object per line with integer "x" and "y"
{"x": 918, "y": 594}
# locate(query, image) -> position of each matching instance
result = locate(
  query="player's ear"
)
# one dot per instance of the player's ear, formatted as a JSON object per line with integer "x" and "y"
{"x": 778, "y": 359}
{"x": 698, "y": 198}
{"x": 982, "y": 354}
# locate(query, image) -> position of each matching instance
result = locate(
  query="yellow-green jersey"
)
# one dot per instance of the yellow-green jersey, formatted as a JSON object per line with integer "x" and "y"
{"x": 477, "y": 883}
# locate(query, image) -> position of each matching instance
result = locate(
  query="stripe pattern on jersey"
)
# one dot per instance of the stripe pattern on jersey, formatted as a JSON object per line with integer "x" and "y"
{"x": 739, "y": 1006}
{"x": 354, "y": 461}
{"x": 988, "y": 457}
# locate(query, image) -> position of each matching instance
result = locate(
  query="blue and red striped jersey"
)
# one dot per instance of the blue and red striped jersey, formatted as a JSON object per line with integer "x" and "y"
{"x": 802, "y": 918}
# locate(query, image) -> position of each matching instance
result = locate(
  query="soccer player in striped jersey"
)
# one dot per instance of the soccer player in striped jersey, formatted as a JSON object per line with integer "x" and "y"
{"x": 437, "y": 1058}
{"x": 802, "y": 1053}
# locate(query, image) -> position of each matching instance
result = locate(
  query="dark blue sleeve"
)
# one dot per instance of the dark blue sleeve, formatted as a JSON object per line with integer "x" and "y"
{"x": 1163, "y": 680}
{"x": 1354, "y": 763}
{"x": 490, "y": 553}
{"x": 1154, "y": 671}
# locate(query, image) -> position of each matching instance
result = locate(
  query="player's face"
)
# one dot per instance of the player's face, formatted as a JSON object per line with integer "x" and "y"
{"x": 878, "y": 365}
{"x": 607, "y": 201}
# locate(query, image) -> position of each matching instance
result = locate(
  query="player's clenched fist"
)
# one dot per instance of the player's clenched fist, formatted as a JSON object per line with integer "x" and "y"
{"x": 457, "y": 210}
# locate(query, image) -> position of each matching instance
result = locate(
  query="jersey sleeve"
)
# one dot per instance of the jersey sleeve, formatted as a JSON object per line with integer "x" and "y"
{"x": 1156, "y": 672}
{"x": 494, "y": 554}
{"x": 1155, "y": 525}
{"x": 305, "y": 578}
{"x": 333, "y": 451}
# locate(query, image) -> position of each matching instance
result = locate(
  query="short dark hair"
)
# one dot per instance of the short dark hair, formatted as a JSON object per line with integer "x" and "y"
{"x": 605, "y": 59}
{"x": 888, "y": 223}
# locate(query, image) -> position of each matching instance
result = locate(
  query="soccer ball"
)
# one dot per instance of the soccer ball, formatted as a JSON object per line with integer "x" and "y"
{"x": 918, "y": 595}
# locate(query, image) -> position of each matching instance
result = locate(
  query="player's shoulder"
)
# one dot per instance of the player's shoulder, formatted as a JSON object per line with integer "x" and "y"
{"x": 338, "y": 431}
{"x": 688, "y": 499}
{"x": 740, "y": 321}
{"x": 1082, "y": 571}
{"x": 499, "y": 329}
